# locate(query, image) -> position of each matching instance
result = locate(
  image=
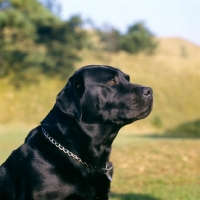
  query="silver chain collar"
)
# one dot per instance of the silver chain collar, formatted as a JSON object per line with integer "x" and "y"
{"x": 70, "y": 154}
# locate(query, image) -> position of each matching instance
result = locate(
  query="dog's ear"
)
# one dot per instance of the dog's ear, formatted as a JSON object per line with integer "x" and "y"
{"x": 68, "y": 100}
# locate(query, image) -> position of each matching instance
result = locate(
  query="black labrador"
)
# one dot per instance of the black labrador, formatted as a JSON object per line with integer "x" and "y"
{"x": 67, "y": 156}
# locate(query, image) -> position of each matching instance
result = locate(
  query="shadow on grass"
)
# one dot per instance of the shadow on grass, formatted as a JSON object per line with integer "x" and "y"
{"x": 132, "y": 196}
{"x": 189, "y": 130}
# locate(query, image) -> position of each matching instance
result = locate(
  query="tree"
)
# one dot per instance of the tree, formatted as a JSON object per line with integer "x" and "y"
{"x": 110, "y": 37}
{"x": 33, "y": 40}
{"x": 62, "y": 40}
{"x": 137, "y": 39}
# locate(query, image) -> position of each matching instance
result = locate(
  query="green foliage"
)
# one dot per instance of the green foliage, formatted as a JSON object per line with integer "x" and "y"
{"x": 157, "y": 122}
{"x": 62, "y": 41}
{"x": 33, "y": 40}
{"x": 137, "y": 39}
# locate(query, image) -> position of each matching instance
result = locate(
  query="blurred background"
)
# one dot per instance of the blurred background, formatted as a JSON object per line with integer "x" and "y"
{"x": 156, "y": 42}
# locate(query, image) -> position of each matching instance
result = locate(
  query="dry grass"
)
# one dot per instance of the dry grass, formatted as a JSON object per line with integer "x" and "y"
{"x": 174, "y": 78}
{"x": 30, "y": 104}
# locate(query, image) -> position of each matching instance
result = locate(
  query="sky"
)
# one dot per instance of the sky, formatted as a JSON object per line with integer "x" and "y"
{"x": 164, "y": 18}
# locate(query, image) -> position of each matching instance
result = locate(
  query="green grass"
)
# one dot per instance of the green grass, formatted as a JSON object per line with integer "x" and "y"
{"x": 146, "y": 168}
{"x": 11, "y": 137}
{"x": 149, "y": 169}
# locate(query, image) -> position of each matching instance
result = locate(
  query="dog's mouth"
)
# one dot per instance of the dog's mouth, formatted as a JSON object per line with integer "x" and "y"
{"x": 142, "y": 115}
{"x": 145, "y": 112}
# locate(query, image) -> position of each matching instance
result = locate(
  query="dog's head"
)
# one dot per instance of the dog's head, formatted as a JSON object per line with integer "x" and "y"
{"x": 103, "y": 94}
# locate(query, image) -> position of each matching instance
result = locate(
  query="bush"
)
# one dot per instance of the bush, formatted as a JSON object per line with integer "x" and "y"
{"x": 137, "y": 39}
{"x": 188, "y": 130}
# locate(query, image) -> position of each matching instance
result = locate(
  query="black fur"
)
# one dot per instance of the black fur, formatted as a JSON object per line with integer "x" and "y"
{"x": 96, "y": 102}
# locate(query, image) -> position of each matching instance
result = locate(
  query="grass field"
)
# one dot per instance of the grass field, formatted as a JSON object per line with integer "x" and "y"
{"x": 146, "y": 168}
{"x": 155, "y": 169}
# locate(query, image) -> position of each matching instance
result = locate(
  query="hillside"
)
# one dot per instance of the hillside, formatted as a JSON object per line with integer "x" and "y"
{"x": 173, "y": 73}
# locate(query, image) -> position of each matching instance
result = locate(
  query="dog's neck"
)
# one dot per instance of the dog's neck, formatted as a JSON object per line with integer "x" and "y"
{"x": 101, "y": 135}
{"x": 91, "y": 142}
{"x": 95, "y": 140}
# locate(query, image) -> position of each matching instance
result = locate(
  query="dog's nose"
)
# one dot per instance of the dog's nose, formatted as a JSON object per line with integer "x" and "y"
{"x": 147, "y": 91}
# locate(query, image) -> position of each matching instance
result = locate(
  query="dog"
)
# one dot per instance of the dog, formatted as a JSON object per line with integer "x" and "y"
{"x": 67, "y": 155}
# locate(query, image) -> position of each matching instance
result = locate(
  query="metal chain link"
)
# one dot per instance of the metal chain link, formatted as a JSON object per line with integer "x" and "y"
{"x": 70, "y": 154}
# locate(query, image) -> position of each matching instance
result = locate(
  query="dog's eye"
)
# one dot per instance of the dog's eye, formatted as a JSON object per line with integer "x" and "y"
{"x": 112, "y": 82}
